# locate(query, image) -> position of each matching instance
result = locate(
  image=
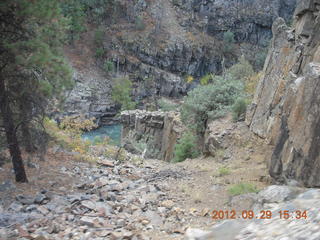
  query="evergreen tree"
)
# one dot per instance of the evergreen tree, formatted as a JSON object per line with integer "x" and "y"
{"x": 74, "y": 11}
{"x": 121, "y": 92}
{"x": 32, "y": 68}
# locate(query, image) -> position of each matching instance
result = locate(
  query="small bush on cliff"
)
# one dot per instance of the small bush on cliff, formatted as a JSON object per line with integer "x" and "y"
{"x": 206, "y": 79}
{"x": 98, "y": 37}
{"x": 186, "y": 147}
{"x": 210, "y": 102}
{"x": 167, "y": 105}
{"x": 121, "y": 92}
{"x": 223, "y": 171}
{"x": 228, "y": 42}
{"x": 99, "y": 52}
{"x": 239, "y": 109}
{"x": 108, "y": 66}
{"x": 243, "y": 70}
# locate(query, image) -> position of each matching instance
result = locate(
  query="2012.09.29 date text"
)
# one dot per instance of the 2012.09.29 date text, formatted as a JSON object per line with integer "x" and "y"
{"x": 263, "y": 214}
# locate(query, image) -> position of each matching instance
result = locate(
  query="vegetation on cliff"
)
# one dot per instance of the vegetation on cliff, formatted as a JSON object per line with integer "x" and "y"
{"x": 121, "y": 93}
{"x": 211, "y": 101}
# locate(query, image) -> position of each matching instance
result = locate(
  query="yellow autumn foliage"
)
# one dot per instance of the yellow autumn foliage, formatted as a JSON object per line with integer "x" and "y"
{"x": 69, "y": 138}
{"x": 189, "y": 79}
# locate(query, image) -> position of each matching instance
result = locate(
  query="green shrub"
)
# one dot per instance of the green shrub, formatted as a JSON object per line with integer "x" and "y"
{"x": 121, "y": 92}
{"x": 99, "y": 52}
{"x": 210, "y": 102}
{"x": 166, "y": 105}
{"x": 242, "y": 188}
{"x": 108, "y": 66}
{"x": 98, "y": 37}
{"x": 139, "y": 23}
{"x": 242, "y": 70}
{"x": 186, "y": 148}
{"x": 206, "y": 79}
{"x": 228, "y": 42}
{"x": 223, "y": 171}
{"x": 239, "y": 109}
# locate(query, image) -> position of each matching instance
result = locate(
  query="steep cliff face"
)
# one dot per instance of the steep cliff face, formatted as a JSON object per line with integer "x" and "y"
{"x": 286, "y": 108}
{"x": 159, "y": 43}
{"x": 251, "y": 21}
{"x": 185, "y": 37}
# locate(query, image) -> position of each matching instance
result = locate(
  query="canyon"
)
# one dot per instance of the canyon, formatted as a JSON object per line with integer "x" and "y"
{"x": 265, "y": 161}
{"x": 177, "y": 39}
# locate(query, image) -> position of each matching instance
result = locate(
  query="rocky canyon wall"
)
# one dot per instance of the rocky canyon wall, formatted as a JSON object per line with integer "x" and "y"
{"x": 251, "y": 21}
{"x": 286, "y": 107}
{"x": 173, "y": 39}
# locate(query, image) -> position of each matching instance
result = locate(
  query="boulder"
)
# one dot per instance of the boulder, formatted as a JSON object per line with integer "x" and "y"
{"x": 277, "y": 194}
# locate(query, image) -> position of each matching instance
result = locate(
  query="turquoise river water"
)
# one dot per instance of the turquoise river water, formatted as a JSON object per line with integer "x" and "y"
{"x": 111, "y": 131}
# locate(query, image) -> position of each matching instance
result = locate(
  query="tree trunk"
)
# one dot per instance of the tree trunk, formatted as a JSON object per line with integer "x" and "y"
{"x": 27, "y": 141}
{"x": 11, "y": 135}
{"x": 25, "y": 128}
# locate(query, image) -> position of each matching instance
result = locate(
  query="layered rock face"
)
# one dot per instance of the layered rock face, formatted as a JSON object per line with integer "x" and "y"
{"x": 91, "y": 97}
{"x": 185, "y": 38}
{"x": 154, "y": 133}
{"x": 251, "y": 21}
{"x": 286, "y": 108}
{"x": 173, "y": 39}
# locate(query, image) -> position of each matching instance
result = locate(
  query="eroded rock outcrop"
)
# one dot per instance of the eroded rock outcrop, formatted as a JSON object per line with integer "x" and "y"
{"x": 91, "y": 97}
{"x": 153, "y": 132}
{"x": 286, "y": 108}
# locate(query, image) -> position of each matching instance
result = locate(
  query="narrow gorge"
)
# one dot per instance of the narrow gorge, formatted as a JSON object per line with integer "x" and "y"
{"x": 160, "y": 120}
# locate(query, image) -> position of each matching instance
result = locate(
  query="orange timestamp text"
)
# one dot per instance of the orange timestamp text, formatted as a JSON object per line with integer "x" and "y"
{"x": 263, "y": 214}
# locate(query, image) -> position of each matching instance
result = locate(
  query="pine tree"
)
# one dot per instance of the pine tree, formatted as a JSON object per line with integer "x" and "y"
{"x": 121, "y": 92}
{"x": 32, "y": 68}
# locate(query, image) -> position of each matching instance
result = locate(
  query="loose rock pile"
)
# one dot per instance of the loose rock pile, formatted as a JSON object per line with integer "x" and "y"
{"x": 117, "y": 200}
{"x": 113, "y": 201}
